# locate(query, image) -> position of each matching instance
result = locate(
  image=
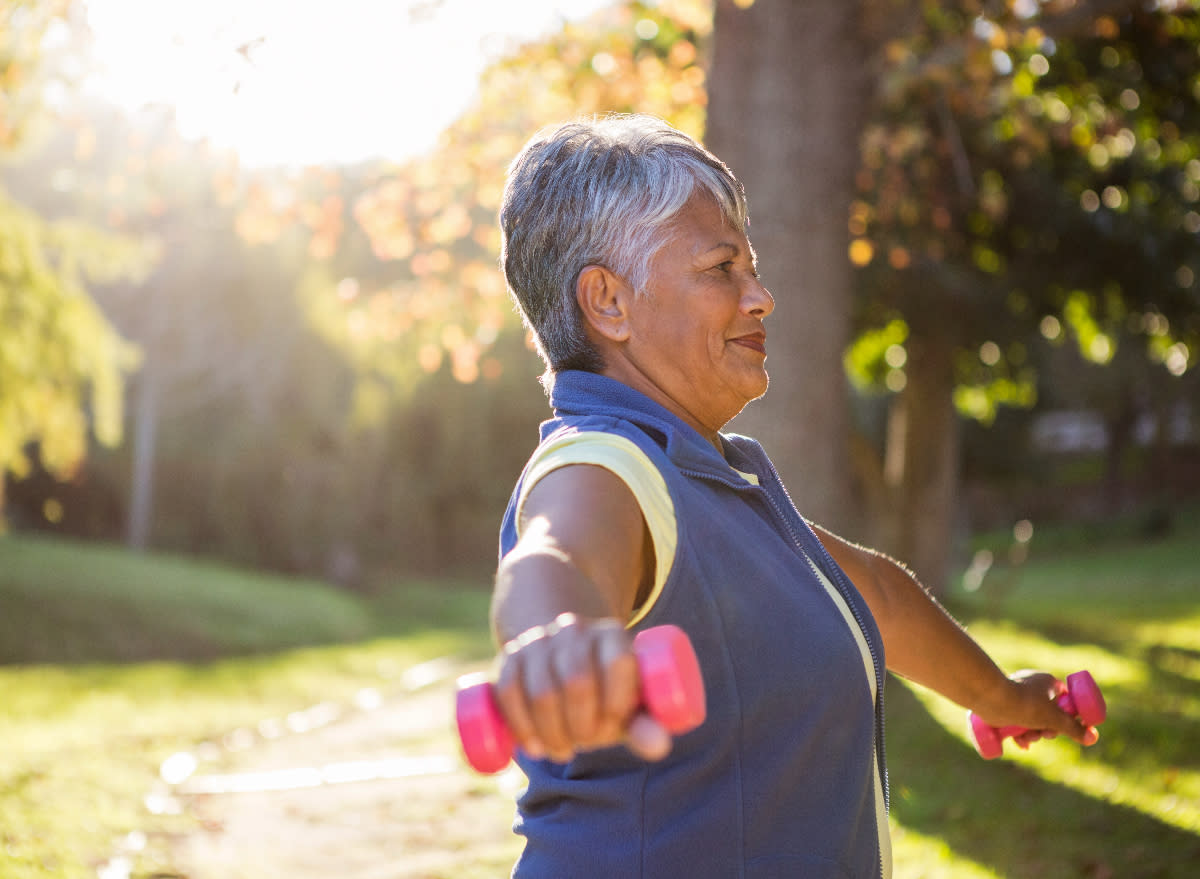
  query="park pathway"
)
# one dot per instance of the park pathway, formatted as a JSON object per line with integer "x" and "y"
{"x": 376, "y": 791}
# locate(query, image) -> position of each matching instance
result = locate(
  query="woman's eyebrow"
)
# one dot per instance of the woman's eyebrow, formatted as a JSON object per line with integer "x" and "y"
{"x": 724, "y": 245}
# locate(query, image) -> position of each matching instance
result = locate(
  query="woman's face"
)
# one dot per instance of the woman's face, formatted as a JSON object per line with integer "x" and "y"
{"x": 696, "y": 342}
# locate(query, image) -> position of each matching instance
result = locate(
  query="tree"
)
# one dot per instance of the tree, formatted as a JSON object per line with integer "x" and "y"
{"x": 959, "y": 193}
{"x": 430, "y": 308}
{"x": 192, "y": 317}
{"x": 398, "y": 290}
{"x": 786, "y": 105}
{"x": 1017, "y": 185}
{"x": 432, "y": 222}
{"x": 62, "y": 364}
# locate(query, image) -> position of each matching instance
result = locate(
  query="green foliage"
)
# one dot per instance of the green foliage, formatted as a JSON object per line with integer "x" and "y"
{"x": 62, "y": 365}
{"x": 222, "y": 338}
{"x": 60, "y": 360}
{"x": 875, "y": 361}
{"x": 1079, "y": 312}
{"x": 1027, "y": 163}
{"x": 875, "y": 354}
{"x": 982, "y": 402}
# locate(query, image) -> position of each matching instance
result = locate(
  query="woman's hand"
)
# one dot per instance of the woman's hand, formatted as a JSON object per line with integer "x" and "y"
{"x": 572, "y": 686}
{"x": 1029, "y": 701}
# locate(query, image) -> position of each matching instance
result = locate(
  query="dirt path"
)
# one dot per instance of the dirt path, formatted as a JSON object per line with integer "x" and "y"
{"x": 379, "y": 792}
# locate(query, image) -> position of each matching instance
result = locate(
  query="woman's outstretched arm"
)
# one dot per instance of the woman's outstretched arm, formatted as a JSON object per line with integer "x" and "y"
{"x": 568, "y": 680}
{"x": 925, "y": 644}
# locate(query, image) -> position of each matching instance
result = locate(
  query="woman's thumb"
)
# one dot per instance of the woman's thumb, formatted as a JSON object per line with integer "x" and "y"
{"x": 648, "y": 738}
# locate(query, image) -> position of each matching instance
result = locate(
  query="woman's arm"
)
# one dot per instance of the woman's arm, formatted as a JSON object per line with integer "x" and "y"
{"x": 568, "y": 680}
{"x": 926, "y": 645}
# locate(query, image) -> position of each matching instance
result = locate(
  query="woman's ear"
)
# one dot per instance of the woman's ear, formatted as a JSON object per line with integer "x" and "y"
{"x": 604, "y": 299}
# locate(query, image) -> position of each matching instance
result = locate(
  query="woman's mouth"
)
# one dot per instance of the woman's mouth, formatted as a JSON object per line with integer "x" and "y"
{"x": 754, "y": 341}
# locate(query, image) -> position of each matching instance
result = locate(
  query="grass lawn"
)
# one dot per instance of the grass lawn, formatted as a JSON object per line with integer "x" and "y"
{"x": 91, "y": 701}
{"x": 1127, "y": 610}
{"x": 112, "y": 662}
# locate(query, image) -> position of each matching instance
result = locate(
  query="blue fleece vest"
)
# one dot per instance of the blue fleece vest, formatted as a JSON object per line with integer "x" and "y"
{"x": 779, "y": 780}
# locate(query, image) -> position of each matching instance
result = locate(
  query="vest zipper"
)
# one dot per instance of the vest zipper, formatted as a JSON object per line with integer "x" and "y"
{"x": 837, "y": 578}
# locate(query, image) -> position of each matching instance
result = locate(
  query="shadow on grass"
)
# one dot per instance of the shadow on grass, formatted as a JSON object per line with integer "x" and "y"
{"x": 1011, "y": 820}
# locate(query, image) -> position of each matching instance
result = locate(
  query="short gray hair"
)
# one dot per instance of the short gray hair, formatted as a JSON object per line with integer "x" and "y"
{"x": 597, "y": 192}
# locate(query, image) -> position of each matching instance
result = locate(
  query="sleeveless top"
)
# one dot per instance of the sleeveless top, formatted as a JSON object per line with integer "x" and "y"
{"x": 787, "y": 775}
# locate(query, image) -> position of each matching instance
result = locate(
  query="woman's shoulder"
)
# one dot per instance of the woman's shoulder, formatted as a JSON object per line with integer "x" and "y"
{"x": 599, "y": 431}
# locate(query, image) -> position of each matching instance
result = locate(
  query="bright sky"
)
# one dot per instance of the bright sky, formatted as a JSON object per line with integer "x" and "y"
{"x": 330, "y": 80}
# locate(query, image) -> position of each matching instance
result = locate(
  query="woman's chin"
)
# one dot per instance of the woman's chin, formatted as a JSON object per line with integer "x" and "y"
{"x": 758, "y": 386}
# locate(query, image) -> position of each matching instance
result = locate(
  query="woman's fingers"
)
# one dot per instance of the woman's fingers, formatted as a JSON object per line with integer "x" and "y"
{"x": 648, "y": 738}
{"x": 1027, "y": 738}
{"x": 510, "y": 693}
{"x": 573, "y": 661}
{"x": 546, "y": 699}
{"x": 1041, "y": 713}
{"x": 621, "y": 689}
{"x": 569, "y": 686}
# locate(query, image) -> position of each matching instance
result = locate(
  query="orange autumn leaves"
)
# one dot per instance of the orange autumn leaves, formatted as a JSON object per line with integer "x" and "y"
{"x": 408, "y": 275}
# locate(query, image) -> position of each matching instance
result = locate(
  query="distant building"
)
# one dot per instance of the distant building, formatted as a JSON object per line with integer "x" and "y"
{"x": 1068, "y": 431}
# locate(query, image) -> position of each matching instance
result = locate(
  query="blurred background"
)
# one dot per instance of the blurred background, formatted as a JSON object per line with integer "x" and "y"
{"x": 252, "y": 309}
{"x": 251, "y": 315}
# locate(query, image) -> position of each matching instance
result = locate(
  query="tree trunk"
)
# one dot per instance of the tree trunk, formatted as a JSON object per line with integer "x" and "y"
{"x": 1120, "y": 424}
{"x": 145, "y": 437}
{"x": 922, "y": 462}
{"x": 786, "y": 95}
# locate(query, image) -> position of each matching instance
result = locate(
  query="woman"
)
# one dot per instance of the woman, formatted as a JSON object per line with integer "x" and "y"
{"x": 625, "y": 248}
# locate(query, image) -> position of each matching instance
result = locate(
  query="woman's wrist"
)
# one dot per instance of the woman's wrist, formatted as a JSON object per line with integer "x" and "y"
{"x": 995, "y": 696}
{"x": 536, "y": 589}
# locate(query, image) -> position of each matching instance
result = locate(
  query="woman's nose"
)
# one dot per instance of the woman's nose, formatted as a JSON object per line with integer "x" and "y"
{"x": 758, "y": 300}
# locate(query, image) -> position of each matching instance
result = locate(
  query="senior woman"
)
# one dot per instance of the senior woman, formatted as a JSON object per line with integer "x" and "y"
{"x": 625, "y": 247}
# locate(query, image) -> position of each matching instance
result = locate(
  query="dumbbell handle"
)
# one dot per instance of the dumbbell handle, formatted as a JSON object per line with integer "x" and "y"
{"x": 1081, "y": 698}
{"x": 671, "y": 691}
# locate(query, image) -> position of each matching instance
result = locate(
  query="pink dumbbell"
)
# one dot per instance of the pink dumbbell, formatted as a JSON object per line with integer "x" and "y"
{"x": 1081, "y": 698}
{"x": 672, "y": 692}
